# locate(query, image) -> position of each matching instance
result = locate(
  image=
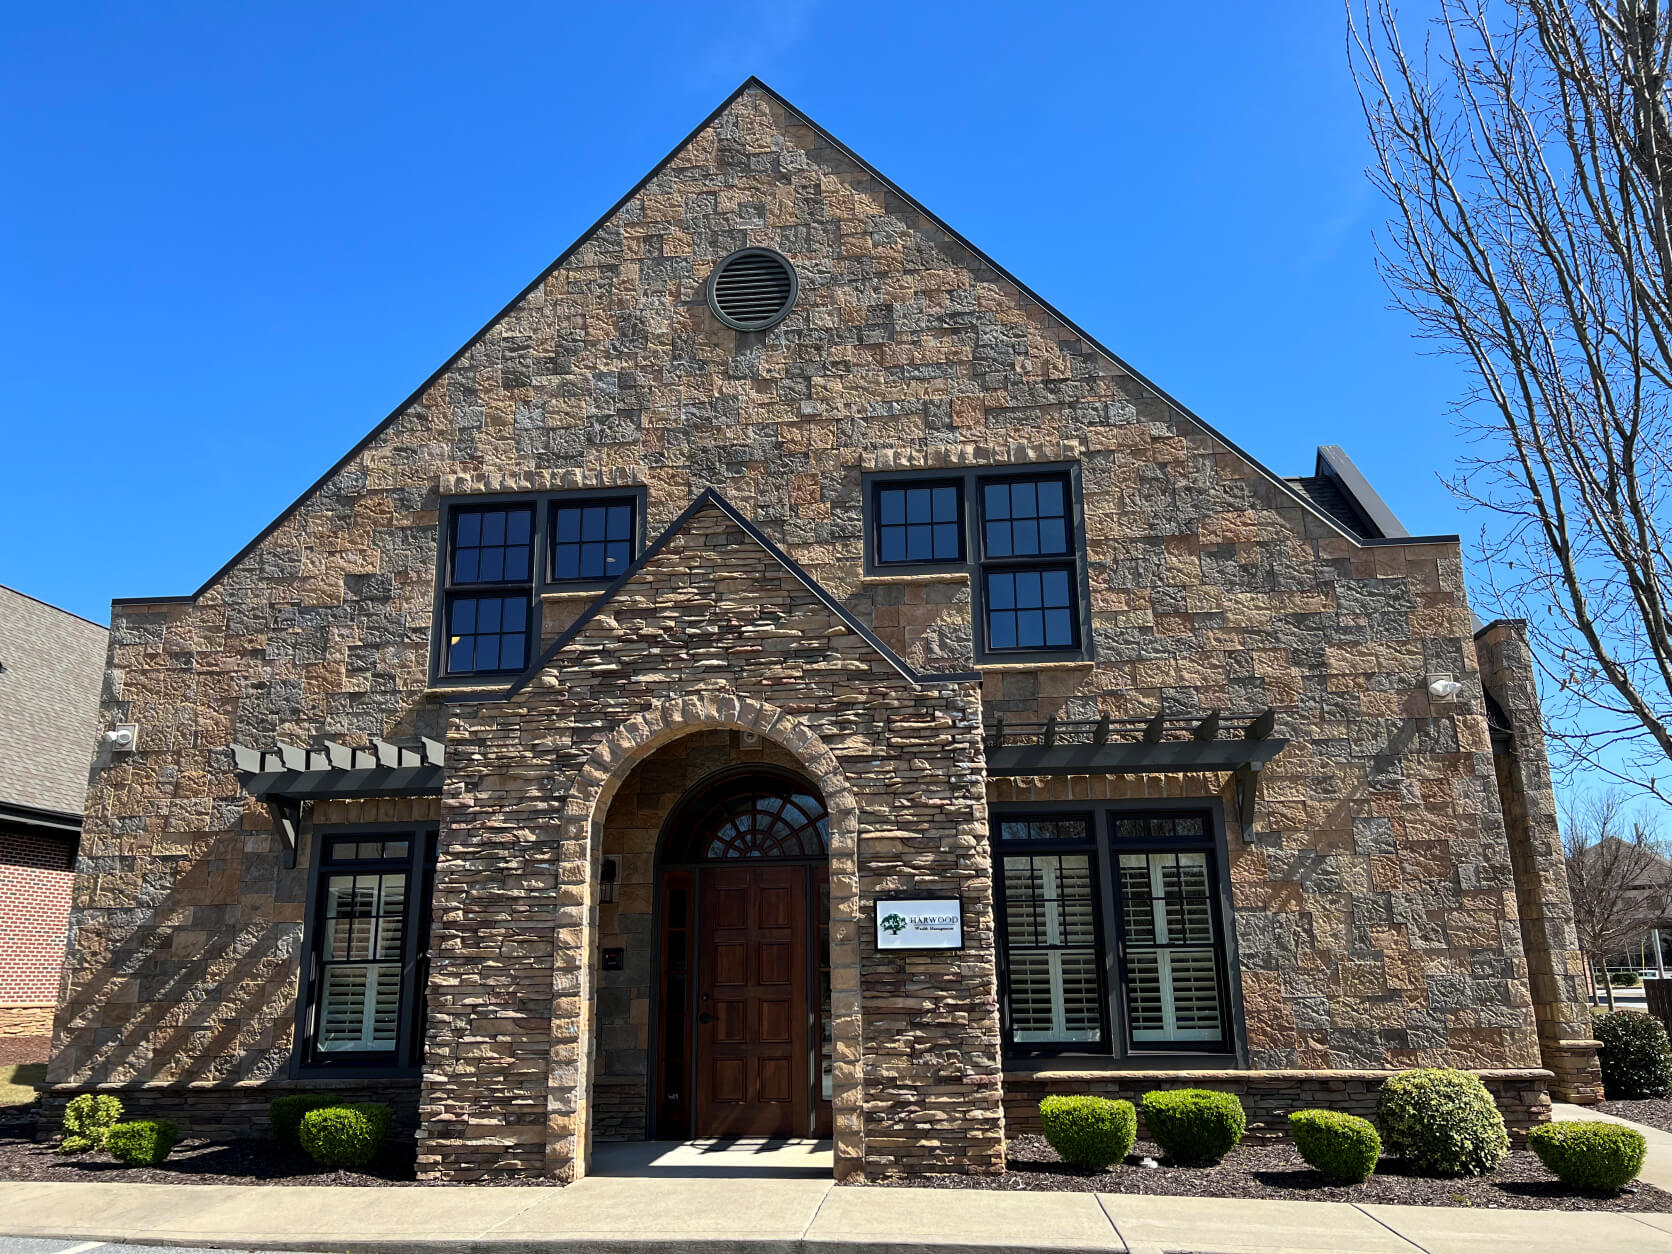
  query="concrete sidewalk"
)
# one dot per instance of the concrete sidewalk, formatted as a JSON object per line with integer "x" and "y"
{"x": 616, "y": 1215}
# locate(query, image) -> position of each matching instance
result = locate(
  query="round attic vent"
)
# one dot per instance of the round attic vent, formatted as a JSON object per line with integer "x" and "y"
{"x": 753, "y": 289}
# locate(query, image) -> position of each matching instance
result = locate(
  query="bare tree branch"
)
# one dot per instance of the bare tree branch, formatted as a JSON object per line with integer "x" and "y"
{"x": 1619, "y": 876}
{"x": 1526, "y": 154}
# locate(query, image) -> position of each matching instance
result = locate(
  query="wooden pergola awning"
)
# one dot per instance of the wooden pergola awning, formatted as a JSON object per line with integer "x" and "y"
{"x": 286, "y": 776}
{"x": 1161, "y": 745}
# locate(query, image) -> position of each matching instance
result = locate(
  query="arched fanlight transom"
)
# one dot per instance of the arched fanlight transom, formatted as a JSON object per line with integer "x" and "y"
{"x": 757, "y": 818}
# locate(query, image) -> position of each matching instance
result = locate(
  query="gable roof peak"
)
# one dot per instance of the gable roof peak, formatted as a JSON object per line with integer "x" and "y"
{"x": 713, "y": 499}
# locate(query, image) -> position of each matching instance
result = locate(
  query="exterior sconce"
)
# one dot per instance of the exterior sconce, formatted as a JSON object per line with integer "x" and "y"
{"x": 1443, "y": 687}
{"x": 124, "y": 738}
{"x": 606, "y": 880}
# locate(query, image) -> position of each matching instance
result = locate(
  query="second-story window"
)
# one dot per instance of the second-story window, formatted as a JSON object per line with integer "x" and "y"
{"x": 501, "y": 555}
{"x": 591, "y": 540}
{"x": 1028, "y": 570}
{"x": 490, "y": 586}
{"x": 919, "y": 522}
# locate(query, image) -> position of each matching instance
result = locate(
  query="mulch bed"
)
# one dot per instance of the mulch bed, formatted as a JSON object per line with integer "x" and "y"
{"x": 192, "y": 1162}
{"x": 1656, "y": 1112}
{"x": 1276, "y": 1170}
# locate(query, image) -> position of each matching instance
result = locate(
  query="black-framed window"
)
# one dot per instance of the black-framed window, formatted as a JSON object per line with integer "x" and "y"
{"x": 1016, "y": 534}
{"x": 367, "y": 935}
{"x": 919, "y": 522}
{"x": 499, "y": 554}
{"x": 1030, "y": 595}
{"x": 1053, "y": 953}
{"x": 1113, "y": 930}
{"x": 592, "y": 540}
{"x": 490, "y": 589}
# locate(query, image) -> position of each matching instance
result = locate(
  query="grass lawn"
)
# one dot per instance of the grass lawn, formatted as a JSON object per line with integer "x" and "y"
{"x": 19, "y": 1081}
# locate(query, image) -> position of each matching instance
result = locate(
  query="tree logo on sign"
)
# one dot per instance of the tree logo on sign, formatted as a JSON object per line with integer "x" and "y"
{"x": 893, "y": 924}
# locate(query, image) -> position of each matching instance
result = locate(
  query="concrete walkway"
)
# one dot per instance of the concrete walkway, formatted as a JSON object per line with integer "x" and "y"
{"x": 1657, "y": 1163}
{"x": 696, "y": 1215}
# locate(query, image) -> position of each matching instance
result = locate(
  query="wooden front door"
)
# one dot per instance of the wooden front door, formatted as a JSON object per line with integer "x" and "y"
{"x": 752, "y": 1046}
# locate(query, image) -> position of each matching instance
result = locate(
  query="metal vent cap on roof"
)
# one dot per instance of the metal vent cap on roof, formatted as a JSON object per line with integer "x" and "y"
{"x": 753, "y": 289}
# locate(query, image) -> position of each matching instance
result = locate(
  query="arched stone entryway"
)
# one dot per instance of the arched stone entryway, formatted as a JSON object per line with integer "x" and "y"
{"x": 569, "y": 1091}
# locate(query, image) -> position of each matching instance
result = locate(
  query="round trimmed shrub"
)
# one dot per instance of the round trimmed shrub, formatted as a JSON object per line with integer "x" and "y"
{"x": 345, "y": 1136}
{"x": 143, "y": 1142}
{"x": 1094, "y": 1132}
{"x": 284, "y": 1116}
{"x": 1634, "y": 1055}
{"x": 1340, "y": 1146}
{"x": 1442, "y": 1122}
{"x": 1194, "y": 1126}
{"x": 1625, "y": 979}
{"x": 87, "y": 1119}
{"x": 1602, "y": 1156}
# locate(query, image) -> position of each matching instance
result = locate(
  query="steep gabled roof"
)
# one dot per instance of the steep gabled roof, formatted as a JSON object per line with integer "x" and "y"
{"x": 1277, "y": 481}
{"x": 711, "y": 499}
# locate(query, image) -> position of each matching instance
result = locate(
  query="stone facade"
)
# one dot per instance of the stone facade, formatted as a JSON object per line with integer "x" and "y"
{"x": 1556, "y": 967}
{"x": 509, "y": 1068}
{"x": 1376, "y": 912}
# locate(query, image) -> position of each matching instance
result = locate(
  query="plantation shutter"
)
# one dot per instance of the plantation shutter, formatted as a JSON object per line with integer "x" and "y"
{"x": 1050, "y": 938}
{"x": 1172, "y": 976}
{"x": 360, "y": 976}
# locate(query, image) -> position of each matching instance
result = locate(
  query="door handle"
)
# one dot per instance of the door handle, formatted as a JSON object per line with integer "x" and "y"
{"x": 705, "y": 1017}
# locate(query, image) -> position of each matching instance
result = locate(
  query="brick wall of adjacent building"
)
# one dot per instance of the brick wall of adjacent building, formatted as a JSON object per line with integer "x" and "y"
{"x": 1376, "y": 904}
{"x": 37, "y": 877}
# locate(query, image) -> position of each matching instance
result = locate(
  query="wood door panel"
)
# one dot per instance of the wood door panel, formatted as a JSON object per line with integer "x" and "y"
{"x": 729, "y": 1080}
{"x": 776, "y": 964}
{"x": 776, "y": 1022}
{"x": 731, "y": 965}
{"x": 752, "y": 1042}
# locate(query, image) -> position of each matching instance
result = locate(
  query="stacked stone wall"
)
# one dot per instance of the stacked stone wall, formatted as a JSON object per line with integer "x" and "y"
{"x": 232, "y": 1112}
{"x": 713, "y": 633}
{"x": 1268, "y": 1097}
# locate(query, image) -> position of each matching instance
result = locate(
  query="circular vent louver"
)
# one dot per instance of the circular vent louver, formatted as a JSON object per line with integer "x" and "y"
{"x": 753, "y": 289}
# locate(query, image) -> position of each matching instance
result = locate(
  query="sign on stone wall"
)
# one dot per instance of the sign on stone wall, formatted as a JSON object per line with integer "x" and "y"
{"x": 920, "y": 923}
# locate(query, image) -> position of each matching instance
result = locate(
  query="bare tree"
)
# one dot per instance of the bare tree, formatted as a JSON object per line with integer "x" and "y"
{"x": 1619, "y": 876}
{"x": 1526, "y": 149}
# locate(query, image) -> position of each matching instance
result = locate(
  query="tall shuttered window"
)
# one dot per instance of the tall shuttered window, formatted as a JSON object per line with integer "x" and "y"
{"x": 369, "y": 930}
{"x": 1172, "y": 969}
{"x": 1053, "y": 985}
{"x": 1140, "y": 969}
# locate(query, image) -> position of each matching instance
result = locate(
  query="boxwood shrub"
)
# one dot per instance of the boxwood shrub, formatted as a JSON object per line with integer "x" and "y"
{"x": 1094, "y": 1132}
{"x": 345, "y": 1136}
{"x": 1194, "y": 1126}
{"x": 284, "y": 1116}
{"x": 87, "y": 1119}
{"x": 1340, "y": 1146}
{"x": 142, "y": 1142}
{"x": 1634, "y": 1055}
{"x": 1442, "y": 1122}
{"x": 1602, "y": 1156}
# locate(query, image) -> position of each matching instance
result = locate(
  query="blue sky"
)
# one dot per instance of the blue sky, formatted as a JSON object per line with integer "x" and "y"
{"x": 232, "y": 237}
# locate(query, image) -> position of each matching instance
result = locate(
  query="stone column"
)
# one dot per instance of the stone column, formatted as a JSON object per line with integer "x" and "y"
{"x": 1555, "y": 967}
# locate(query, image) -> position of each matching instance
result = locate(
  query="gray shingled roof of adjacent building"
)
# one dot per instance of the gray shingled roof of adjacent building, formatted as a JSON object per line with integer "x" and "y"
{"x": 53, "y": 664}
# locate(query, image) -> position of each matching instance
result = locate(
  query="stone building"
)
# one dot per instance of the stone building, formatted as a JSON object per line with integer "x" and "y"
{"x": 782, "y": 677}
{"x": 50, "y": 665}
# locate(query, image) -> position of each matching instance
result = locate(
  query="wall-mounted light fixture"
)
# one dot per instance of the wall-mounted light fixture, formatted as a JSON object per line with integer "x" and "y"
{"x": 123, "y": 738}
{"x": 1443, "y": 687}
{"x": 606, "y": 880}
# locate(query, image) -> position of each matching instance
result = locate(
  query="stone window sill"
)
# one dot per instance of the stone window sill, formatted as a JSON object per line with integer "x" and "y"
{"x": 922, "y": 576}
